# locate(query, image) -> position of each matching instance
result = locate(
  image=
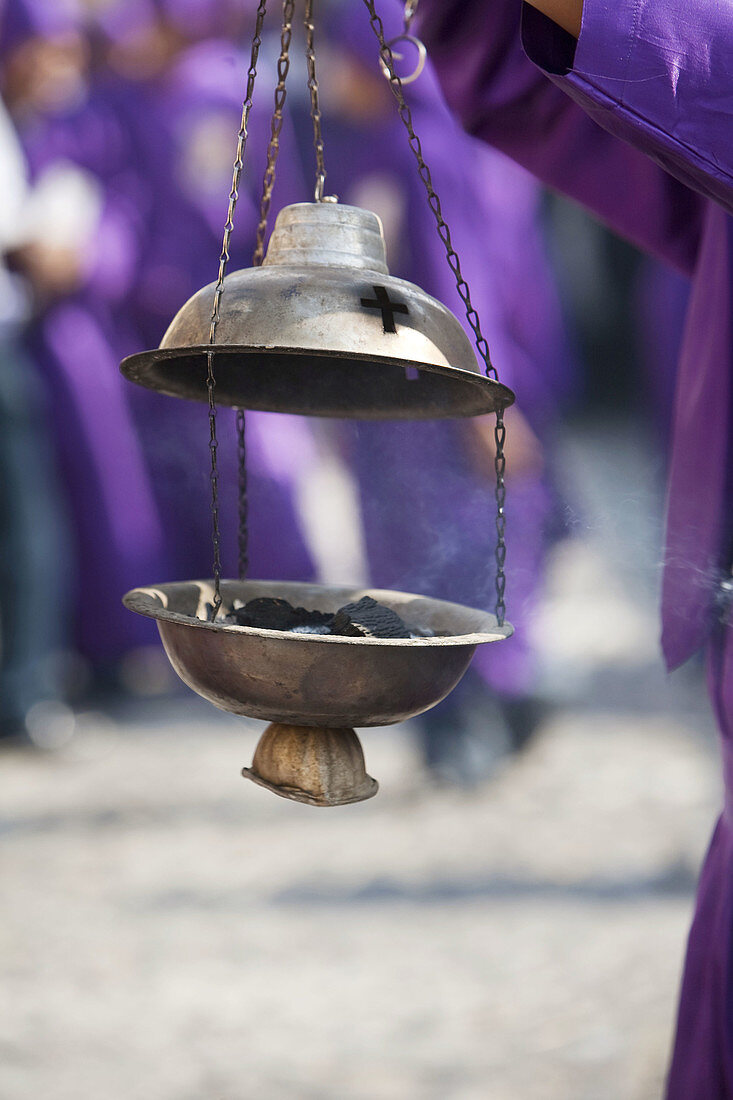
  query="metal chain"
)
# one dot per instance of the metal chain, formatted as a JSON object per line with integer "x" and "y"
{"x": 273, "y": 149}
{"x": 315, "y": 105}
{"x": 214, "y": 477}
{"x": 242, "y": 497}
{"x": 219, "y": 291}
{"x": 268, "y": 184}
{"x": 243, "y": 530}
{"x": 462, "y": 287}
{"x": 415, "y": 144}
{"x": 500, "y": 468}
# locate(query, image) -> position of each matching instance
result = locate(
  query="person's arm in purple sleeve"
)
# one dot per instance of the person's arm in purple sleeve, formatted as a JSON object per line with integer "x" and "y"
{"x": 506, "y": 100}
{"x": 655, "y": 73}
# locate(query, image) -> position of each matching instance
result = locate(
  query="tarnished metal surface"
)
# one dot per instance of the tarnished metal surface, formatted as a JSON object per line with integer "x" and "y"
{"x": 316, "y": 765}
{"x": 314, "y": 680}
{"x": 294, "y": 336}
{"x": 334, "y": 235}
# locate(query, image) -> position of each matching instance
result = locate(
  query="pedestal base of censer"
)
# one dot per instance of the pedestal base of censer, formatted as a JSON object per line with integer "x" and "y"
{"x": 322, "y": 766}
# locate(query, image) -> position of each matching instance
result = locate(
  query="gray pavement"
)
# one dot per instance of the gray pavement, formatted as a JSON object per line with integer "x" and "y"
{"x": 172, "y": 932}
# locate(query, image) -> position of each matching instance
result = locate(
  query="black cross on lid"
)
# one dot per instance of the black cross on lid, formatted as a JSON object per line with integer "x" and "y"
{"x": 388, "y": 307}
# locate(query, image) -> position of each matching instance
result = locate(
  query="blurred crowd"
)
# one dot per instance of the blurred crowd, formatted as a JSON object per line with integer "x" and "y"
{"x": 118, "y": 129}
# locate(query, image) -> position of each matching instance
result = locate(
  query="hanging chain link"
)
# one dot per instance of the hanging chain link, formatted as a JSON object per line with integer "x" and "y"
{"x": 214, "y": 478}
{"x": 219, "y": 291}
{"x": 387, "y": 60}
{"x": 273, "y": 149}
{"x": 268, "y": 184}
{"x": 243, "y": 531}
{"x": 500, "y": 468}
{"x": 310, "y": 55}
{"x": 242, "y": 498}
{"x": 415, "y": 144}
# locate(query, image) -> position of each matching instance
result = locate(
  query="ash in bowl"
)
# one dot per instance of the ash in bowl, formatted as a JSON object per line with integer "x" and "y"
{"x": 365, "y": 619}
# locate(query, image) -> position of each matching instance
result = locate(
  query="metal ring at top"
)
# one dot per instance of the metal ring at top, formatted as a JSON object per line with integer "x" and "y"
{"x": 422, "y": 55}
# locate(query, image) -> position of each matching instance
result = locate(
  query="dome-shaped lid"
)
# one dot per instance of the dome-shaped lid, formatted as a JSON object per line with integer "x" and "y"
{"x": 322, "y": 329}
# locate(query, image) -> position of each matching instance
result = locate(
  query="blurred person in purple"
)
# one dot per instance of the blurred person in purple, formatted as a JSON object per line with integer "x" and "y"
{"x": 626, "y": 107}
{"x": 186, "y": 116}
{"x": 427, "y": 489}
{"x": 140, "y": 504}
{"x": 84, "y": 238}
{"x": 33, "y": 544}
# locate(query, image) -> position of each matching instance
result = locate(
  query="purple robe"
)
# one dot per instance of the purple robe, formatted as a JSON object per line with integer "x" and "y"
{"x": 139, "y": 499}
{"x": 21, "y": 20}
{"x": 634, "y": 122}
{"x": 662, "y": 296}
{"x": 186, "y": 139}
{"x": 77, "y": 341}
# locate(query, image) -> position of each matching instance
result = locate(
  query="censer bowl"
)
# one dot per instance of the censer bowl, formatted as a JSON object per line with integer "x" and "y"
{"x": 310, "y": 679}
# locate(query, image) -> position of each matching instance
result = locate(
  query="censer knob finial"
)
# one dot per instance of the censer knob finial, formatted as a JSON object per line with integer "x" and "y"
{"x": 327, "y": 234}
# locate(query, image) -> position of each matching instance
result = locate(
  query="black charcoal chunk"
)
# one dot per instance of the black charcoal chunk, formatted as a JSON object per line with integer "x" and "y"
{"x": 265, "y": 613}
{"x": 368, "y": 619}
{"x": 365, "y": 619}
{"x": 269, "y": 613}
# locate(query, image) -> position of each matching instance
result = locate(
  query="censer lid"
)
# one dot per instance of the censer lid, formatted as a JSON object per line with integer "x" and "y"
{"x": 323, "y": 329}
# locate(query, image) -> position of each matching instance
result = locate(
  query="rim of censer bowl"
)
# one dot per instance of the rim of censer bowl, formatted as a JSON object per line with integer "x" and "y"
{"x": 150, "y": 601}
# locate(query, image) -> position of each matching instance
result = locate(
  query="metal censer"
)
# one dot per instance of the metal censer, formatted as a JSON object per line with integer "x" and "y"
{"x": 319, "y": 327}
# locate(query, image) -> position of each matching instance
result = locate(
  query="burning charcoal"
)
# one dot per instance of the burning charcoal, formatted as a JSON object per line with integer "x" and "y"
{"x": 265, "y": 613}
{"x": 369, "y": 619}
{"x": 365, "y": 619}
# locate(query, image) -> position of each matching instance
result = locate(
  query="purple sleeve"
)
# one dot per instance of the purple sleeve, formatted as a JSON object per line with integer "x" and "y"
{"x": 658, "y": 74}
{"x": 505, "y": 99}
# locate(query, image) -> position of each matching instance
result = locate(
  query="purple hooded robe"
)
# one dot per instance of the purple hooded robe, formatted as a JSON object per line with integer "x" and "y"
{"x": 76, "y": 340}
{"x": 635, "y": 122}
{"x": 139, "y": 501}
{"x": 185, "y": 141}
